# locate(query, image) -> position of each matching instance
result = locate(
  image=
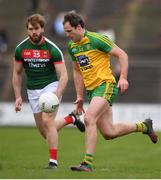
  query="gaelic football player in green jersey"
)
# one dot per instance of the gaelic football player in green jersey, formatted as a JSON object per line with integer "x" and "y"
{"x": 43, "y": 63}
{"x": 90, "y": 53}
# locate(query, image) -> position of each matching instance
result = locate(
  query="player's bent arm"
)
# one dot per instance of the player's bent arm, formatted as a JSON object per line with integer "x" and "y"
{"x": 78, "y": 81}
{"x": 123, "y": 60}
{"x": 63, "y": 78}
{"x": 17, "y": 78}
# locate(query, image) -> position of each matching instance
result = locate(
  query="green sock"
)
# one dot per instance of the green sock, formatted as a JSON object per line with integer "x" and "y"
{"x": 141, "y": 127}
{"x": 88, "y": 159}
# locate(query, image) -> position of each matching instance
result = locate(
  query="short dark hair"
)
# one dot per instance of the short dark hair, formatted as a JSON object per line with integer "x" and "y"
{"x": 74, "y": 19}
{"x": 36, "y": 19}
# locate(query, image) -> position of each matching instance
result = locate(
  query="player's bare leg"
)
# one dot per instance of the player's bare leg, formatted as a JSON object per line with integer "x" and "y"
{"x": 39, "y": 124}
{"x": 99, "y": 111}
{"x": 59, "y": 123}
{"x": 51, "y": 137}
{"x": 108, "y": 129}
{"x": 48, "y": 128}
{"x": 94, "y": 110}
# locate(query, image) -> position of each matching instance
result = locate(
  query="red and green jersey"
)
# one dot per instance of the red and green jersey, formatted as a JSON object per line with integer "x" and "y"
{"x": 91, "y": 53}
{"x": 38, "y": 62}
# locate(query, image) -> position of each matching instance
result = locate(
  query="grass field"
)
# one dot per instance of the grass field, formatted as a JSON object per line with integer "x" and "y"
{"x": 23, "y": 155}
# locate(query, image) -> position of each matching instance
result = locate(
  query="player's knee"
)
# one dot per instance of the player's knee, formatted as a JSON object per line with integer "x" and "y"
{"x": 46, "y": 123}
{"x": 109, "y": 136}
{"x": 89, "y": 120}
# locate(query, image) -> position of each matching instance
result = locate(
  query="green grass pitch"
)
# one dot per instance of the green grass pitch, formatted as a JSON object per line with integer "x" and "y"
{"x": 24, "y": 154}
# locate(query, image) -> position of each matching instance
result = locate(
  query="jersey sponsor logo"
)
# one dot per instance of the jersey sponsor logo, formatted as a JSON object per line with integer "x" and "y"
{"x": 37, "y": 65}
{"x": 35, "y": 54}
{"x": 36, "y": 60}
{"x": 86, "y": 68}
{"x": 83, "y": 60}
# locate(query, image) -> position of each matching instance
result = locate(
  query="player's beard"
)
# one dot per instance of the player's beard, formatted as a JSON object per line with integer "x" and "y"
{"x": 36, "y": 38}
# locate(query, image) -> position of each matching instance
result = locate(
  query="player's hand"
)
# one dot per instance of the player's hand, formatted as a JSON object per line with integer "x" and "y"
{"x": 123, "y": 85}
{"x": 79, "y": 106}
{"x": 18, "y": 104}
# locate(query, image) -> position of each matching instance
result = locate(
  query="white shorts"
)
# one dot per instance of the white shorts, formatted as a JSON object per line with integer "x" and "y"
{"x": 33, "y": 95}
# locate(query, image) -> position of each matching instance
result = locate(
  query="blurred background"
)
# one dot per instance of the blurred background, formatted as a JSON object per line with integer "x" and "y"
{"x": 134, "y": 25}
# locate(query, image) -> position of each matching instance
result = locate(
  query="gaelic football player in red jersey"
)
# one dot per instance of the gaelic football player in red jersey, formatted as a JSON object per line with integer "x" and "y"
{"x": 43, "y": 63}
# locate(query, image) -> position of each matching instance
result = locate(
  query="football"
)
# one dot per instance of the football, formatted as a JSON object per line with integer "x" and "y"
{"x": 48, "y": 102}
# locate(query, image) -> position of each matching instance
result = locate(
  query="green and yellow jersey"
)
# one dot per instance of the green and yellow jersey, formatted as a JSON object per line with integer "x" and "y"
{"x": 91, "y": 53}
{"x": 38, "y": 62}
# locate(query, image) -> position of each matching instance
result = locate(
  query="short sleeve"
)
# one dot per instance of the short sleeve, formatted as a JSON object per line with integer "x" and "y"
{"x": 102, "y": 42}
{"x": 56, "y": 55}
{"x": 18, "y": 56}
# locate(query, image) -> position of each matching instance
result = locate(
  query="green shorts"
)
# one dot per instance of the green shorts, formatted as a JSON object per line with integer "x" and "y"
{"x": 107, "y": 90}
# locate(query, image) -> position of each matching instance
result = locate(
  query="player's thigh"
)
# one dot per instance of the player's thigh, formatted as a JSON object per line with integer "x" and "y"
{"x": 105, "y": 121}
{"x": 38, "y": 120}
{"x": 95, "y": 108}
{"x": 101, "y": 98}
